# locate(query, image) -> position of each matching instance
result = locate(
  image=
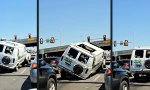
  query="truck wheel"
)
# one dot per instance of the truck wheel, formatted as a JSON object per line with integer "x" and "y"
{"x": 51, "y": 84}
{"x": 124, "y": 85}
{"x": 136, "y": 76}
{"x": 63, "y": 74}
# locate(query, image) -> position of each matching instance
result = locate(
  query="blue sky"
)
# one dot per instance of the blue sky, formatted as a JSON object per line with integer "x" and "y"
{"x": 18, "y": 17}
{"x": 131, "y": 22}
{"x": 71, "y": 21}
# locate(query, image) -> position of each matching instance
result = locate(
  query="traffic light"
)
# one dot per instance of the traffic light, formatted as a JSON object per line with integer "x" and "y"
{"x": 52, "y": 40}
{"x": 41, "y": 41}
{"x": 47, "y": 40}
{"x": 126, "y": 43}
{"x": 29, "y": 35}
{"x": 121, "y": 42}
{"x": 15, "y": 37}
{"x": 104, "y": 37}
{"x": 115, "y": 43}
{"x": 88, "y": 38}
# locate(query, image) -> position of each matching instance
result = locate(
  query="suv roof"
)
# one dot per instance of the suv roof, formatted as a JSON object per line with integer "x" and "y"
{"x": 92, "y": 49}
{"x": 11, "y": 43}
{"x": 141, "y": 48}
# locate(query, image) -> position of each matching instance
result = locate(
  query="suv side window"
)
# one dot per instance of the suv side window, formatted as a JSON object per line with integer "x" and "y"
{"x": 148, "y": 54}
{"x": 83, "y": 58}
{"x": 9, "y": 50}
{"x": 72, "y": 53}
{"x": 139, "y": 53}
{"x": 1, "y": 48}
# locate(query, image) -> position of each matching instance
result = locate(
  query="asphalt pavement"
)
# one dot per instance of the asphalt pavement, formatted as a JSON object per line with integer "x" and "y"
{"x": 15, "y": 80}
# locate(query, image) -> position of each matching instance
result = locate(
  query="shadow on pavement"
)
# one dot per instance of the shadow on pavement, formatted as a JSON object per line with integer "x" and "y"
{"x": 64, "y": 82}
{"x": 140, "y": 82}
{"x": 102, "y": 87}
{"x": 5, "y": 70}
{"x": 27, "y": 84}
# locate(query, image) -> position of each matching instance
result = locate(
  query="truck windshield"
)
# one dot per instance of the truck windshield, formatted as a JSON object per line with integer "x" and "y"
{"x": 1, "y": 47}
{"x": 9, "y": 50}
{"x": 139, "y": 54}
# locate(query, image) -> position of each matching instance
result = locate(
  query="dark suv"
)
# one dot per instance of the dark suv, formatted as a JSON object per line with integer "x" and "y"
{"x": 47, "y": 77}
{"x": 120, "y": 79}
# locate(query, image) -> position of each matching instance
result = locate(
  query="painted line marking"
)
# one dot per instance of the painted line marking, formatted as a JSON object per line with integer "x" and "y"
{"x": 97, "y": 77}
{"x": 23, "y": 71}
{"x": 33, "y": 89}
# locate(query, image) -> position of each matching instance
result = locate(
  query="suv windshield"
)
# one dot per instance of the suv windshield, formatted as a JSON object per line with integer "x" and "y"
{"x": 9, "y": 50}
{"x": 148, "y": 54}
{"x": 83, "y": 58}
{"x": 1, "y": 47}
{"x": 72, "y": 53}
{"x": 139, "y": 54}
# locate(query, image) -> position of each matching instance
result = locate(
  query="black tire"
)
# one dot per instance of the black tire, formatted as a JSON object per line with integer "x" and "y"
{"x": 6, "y": 60}
{"x": 51, "y": 84}
{"x": 63, "y": 74}
{"x": 147, "y": 64}
{"x": 78, "y": 69}
{"x": 124, "y": 85}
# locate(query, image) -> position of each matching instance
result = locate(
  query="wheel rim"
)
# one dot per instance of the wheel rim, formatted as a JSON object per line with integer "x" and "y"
{"x": 52, "y": 86}
{"x": 125, "y": 87}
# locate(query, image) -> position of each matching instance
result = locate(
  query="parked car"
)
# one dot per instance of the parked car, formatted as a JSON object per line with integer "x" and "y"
{"x": 12, "y": 54}
{"x": 81, "y": 59}
{"x": 120, "y": 79}
{"x": 47, "y": 77}
{"x": 53, "y": 62}
{"x": 140, "y": 62}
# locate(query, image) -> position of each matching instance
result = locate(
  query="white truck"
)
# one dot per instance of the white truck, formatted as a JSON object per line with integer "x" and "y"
{"x": 81, "y": 59}
{"x": 140, "y": 62}
{"x": 12, "y": 54}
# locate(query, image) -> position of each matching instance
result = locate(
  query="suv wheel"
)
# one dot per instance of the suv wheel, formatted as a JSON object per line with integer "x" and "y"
{"x": 51, "y": 84}
{"x": 124, "y": 85}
